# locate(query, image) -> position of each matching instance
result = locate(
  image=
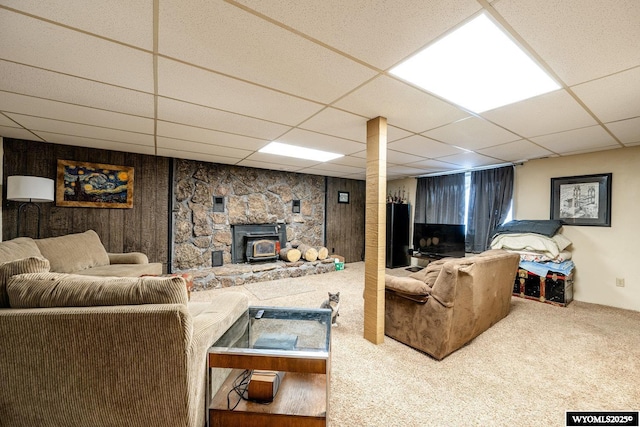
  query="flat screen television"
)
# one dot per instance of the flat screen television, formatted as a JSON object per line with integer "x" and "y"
{"x": 438, "y": 240}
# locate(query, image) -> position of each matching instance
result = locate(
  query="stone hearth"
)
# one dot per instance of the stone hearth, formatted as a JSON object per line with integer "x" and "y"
{"x": 240, "y": 274}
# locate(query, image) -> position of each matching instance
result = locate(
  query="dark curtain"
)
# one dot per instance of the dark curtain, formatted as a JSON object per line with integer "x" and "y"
{"x": 490, "y": 195}
{"x": 440, "y": 199}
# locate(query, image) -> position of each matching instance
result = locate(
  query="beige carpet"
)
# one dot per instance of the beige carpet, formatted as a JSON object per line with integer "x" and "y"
{"x": 276, "y": 289}
{"x": 525, "y": 371}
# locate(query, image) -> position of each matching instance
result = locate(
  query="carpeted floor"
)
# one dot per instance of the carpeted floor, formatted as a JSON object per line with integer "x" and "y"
{"x": 526, "y": 370}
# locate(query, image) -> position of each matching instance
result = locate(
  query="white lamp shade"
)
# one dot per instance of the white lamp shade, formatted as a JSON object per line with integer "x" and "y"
{"x": 30, "y": 189}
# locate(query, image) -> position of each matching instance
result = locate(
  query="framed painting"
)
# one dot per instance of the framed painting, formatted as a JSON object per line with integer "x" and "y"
{"x": 582, "y": 200}
{"x": 343, "y": 197}
{"x": 94, "y": 185}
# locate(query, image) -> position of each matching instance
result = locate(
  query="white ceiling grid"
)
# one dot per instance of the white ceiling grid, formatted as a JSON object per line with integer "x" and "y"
{"x": 216, "y": 80}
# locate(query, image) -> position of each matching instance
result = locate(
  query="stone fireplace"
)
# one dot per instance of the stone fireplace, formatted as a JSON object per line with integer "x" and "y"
{"x": 257, "y": 242}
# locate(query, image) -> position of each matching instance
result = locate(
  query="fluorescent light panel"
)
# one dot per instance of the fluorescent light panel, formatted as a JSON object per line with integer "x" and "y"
{"x": 281, "y": 149}
{"x": 478, "y": 66}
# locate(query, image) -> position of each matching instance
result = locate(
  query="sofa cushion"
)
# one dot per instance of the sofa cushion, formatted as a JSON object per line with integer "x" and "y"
{"x": 74, "y": 252}
{"x": 123, "y": 270}
{"x": 430, "y": 273}
{"x": 22, "y": 247}
{"x": 36, "y": 290}
{"x": 20, "y": 266}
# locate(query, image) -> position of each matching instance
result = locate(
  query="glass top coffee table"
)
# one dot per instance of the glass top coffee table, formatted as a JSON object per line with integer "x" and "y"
{"x": 274, "y": 366}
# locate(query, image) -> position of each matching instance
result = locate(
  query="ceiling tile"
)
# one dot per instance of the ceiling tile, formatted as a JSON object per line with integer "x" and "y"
{"x": 356, "y": 162}
{"x": 304, "y": 138}
{"x": 211, "y": 137}
{"x": 127, "y": 21}
{"x": 516, "y": 151}
{"x": 271, "y": 166}
{"x": 81, "y": 141}
{"x": 394, "y": 133}
{"x": 627, "y": 131}
{"x": 579, "y": 139}
{"x": 398, "y": 158}
{"x": 471, "y": 133}
{"x": 39, "y": 107}
{"x": 423, "y": 147}
{"x": 38, "y": 124}
{"x": 615, "y": 97}
{"x": 6, "y": 121}
{"x": 260, "y": 52}
{"x": 581, "y": 40}
{"x": 320, "y": 170}
{"x": 41, "y": 44}
{"x": 550, "y": 113}
{"x": 210, "y": 118}
{"x": 46, "y": 84}
{"x": 17, "y": 133}
{"x": 431, "y": 166}
{"x": 468, "y": 160}
{"x": 378, "y": 33}
{"x": 186, "y": 83}
{"x": 201, "y": 157}
{"x": 345, "y": 170}
{"x": 201, "y": 148}
{"x": 407, "y": 171}
{"x": 338, "y": 123}
{"x": 404, "y": 106}
{"x": 282, "y": 160}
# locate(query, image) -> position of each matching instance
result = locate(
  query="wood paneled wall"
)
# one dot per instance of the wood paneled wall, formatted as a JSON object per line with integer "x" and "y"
{"x": 345, "y": 222}
{"x": 144, "y": 228}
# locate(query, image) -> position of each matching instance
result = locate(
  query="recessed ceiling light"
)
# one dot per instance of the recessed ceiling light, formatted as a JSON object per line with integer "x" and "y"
{"x": 281, "y": 149}
{"x": 478, "y": 66}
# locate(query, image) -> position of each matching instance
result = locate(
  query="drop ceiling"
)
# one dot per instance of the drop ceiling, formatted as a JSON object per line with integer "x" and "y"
{"x": 216, "y": 80}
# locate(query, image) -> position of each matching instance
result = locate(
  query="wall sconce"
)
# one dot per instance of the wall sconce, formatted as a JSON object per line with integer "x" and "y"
{"x": 295, "y": 207}
{"x": 29, "y": 190}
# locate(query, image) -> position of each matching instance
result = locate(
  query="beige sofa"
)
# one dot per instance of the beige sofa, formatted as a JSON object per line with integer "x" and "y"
{"x": 80, "y": 253}
{"x": 450, "y": 302}
{"x": 94, "y": 351}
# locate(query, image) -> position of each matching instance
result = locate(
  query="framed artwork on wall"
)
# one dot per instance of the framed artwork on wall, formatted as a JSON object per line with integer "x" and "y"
{"x": 94, "y": 185}
{"x": 582, "y": 200}
{"x": 343, "y": 197}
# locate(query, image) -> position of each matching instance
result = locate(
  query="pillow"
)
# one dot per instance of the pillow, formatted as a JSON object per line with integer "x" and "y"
{"x": 74, "y": 252}
{"x": 430, "y": 273}
{"x": 38, "y": 290}
{"x": 406, "y": 285}
{"x": 19, "y": 266}
{"x": 22, "y": 247}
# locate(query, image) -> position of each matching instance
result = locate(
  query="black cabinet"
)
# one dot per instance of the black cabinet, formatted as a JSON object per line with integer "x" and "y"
{"x": 397, "y": 235}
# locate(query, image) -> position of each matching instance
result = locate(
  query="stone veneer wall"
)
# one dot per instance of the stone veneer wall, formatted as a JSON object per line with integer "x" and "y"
{"x": 251, "y": 196}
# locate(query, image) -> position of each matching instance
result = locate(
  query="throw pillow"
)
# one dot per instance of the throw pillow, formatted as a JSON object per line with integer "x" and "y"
{"x": 74, "y": 252}
{"x": 22, "y": 247}
{"x": 20, "y": 266}
{"x": 71, "y": 290}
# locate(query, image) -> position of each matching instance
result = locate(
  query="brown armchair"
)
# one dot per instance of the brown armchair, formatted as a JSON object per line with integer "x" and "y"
{"x": 450, "y": 302}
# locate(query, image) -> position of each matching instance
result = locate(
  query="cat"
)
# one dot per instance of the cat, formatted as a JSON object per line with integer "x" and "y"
{"x": 333, "y": 302}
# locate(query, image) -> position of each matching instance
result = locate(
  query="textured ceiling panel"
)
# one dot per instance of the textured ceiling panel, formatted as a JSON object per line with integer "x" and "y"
{"x": 627, "y": 131}
{"x": 550, "y": 113}
{"x": 615, "y": 97}
{"x": 338, "y": 123}
{"x": 402, "y": 105}
{"x": 13, "y": 103}
{"x": 49, "y": 85}
{"x": 380, "y": 33}
{"x": 52, "y": 47}
{"x": 471, "y": 133}
{"x": 592, "y": 137}
{"x": 199, "y": 147}
{"x": 581, "y": 40}
{"x": 516, "y": 151}
{"x": 96, "y": 143}
{"x": 255, "y": 54}
{"x": 321, "y": 142}
{"x": 75, "y": 129}
{"x": 126, "y": 21}
{"x": 424, "y": 147}
{"x": 217, "y": 91}
{"x": 211, "y": 137}
{"x": 210, "y": 118}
